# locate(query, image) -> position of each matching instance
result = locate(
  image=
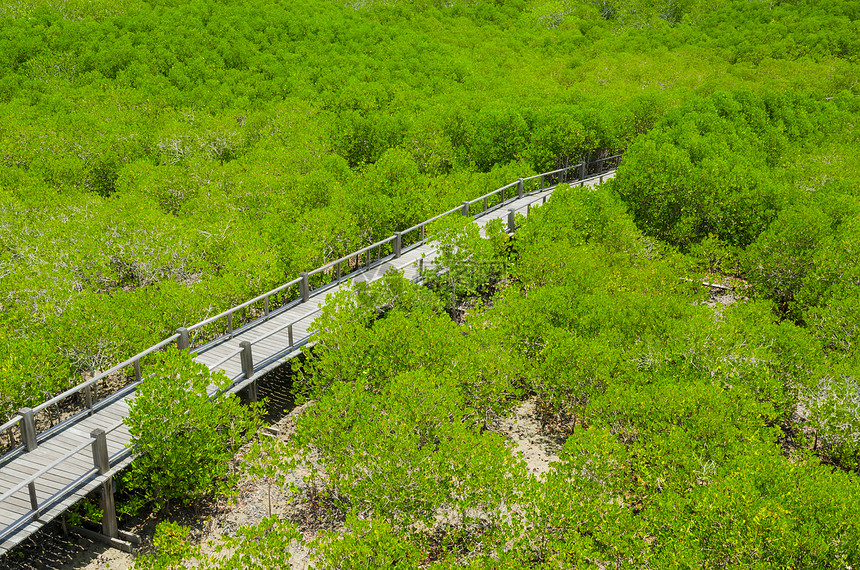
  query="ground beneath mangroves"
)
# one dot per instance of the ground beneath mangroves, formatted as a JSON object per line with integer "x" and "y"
{"x": 256, "y": 499}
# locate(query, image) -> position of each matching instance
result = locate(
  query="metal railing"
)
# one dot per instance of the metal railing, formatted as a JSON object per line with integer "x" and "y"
{"x": 102, "y": 462}
{"x": 338, "y": 270}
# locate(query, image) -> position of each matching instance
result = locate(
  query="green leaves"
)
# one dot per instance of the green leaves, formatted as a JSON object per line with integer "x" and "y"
{"x": 184, "y": 437}
{"x": 465, "y": 263}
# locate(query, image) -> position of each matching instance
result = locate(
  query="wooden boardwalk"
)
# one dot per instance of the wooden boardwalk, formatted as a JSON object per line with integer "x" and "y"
{"x": 37, "y": 486}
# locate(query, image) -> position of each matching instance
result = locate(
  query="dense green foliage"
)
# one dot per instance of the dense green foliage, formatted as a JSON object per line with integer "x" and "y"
{"x": 160, "y": 161}
{"x": 682, "y": 441}
{"x": 184, "y": 437}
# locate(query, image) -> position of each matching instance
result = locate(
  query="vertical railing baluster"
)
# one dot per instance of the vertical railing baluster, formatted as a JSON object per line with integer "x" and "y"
{"x": 230, "y": 324}
{"x": 34, "y": 502}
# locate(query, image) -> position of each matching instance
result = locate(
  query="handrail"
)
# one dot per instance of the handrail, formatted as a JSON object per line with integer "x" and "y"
{"x": 286, "y": 326}
{"x": 44, "y": 470}
{"x": 302, "y": 282}
{"x": 32, "y": 478}
{"x": 11, "y": 423}
{"x": 493, "y": 193}
{"x": 355, "y": 253}
{"x": 75, "y": 389}
{"x": 431, "y": 220}
{"x": 221, "y": 315}
{"x": 226, "y": 358}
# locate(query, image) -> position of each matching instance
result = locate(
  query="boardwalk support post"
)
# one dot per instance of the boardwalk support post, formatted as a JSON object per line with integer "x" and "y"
{"x": 511, "y": 221}
{"x": 398, "y": 244}
{"x": 28, "y": 429}
{"x": 520, "y": 187}
{"x": 248, "y": 369}
{"x": 466, "y": 208}
{"x": 182, "y": 342}
{"x": 101, "y": 460}
{"x": 304, "y": 286}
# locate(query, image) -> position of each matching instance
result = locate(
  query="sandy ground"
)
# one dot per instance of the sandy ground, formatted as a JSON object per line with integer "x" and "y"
{"x": 49, "y": 549}
{"x": 523, "y": 428}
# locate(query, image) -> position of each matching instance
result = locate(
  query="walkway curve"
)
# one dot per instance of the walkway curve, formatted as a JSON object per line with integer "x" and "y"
{"x": 53, "y": 469}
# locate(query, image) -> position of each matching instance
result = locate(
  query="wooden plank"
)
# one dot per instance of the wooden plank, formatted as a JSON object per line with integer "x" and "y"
{"x": 55, "y": 479}
{"x": 16, "y": 539}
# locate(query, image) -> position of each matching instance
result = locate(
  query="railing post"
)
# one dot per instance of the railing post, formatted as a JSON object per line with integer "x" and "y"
{"x": 306, "y": 292}
{"x": 511, "y": 221}
{"x": 138, "y": 376}
{"x": 28, "y": 429}
{"x": 520, "y": 187}
{"x": 290, "y": 334}
{"x": 247, "y": 359}
{"x": 466, "y": 208}
{"x": 101, "y": 460}
{"x": 248, "y": 369}
{"x": 182, "y": 342}
{"x": 34, "y": 501}
{"x": 582, "y": 168}
{"x": 88, "y": 396}
{"x": 398, "y": 244}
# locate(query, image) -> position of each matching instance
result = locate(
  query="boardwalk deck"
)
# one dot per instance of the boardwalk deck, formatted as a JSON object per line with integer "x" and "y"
{"x": 75, "y": 476}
